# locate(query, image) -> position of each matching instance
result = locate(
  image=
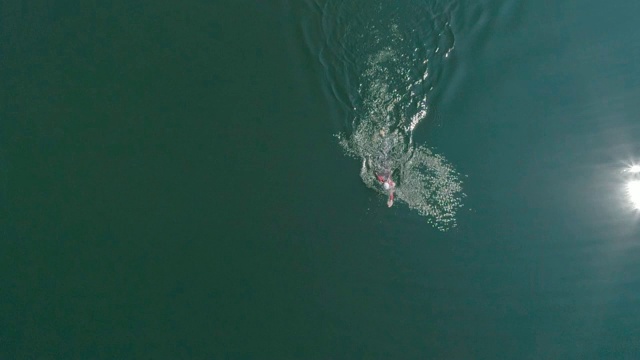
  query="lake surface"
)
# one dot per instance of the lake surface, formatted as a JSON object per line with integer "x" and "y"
{"x": 173, "y": 184}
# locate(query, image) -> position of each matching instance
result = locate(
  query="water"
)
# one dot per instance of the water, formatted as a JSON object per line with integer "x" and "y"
{"x": 174, "y": 183}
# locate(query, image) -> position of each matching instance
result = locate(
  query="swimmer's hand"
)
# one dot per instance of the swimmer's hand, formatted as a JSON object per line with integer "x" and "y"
{"x": 390, "y": 202}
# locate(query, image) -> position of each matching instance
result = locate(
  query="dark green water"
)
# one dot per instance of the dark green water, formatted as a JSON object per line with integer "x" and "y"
{"x": 171, "y": 186}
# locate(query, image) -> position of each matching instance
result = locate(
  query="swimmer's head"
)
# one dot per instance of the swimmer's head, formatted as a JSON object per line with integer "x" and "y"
{"x": 386, "y": 185}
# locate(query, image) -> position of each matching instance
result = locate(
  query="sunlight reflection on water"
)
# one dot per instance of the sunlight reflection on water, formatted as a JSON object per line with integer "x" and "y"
{"x": 633, "y": 191}
{"x": 633, "y": 186}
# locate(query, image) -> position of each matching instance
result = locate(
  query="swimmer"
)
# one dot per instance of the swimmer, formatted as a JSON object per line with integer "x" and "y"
{"x": 389, "y": 185}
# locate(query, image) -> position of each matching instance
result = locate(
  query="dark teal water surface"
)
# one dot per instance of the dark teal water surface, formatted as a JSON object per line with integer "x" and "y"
{"x": 171, "y": 184}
